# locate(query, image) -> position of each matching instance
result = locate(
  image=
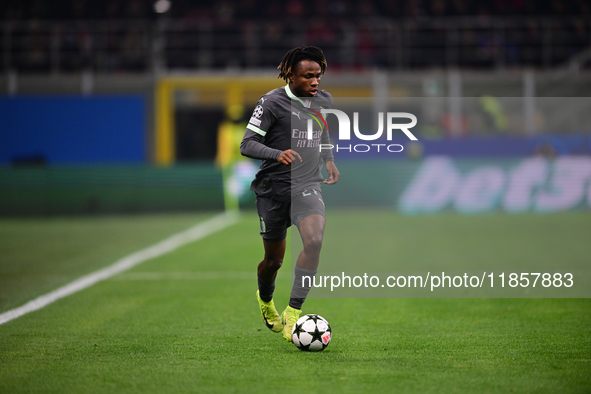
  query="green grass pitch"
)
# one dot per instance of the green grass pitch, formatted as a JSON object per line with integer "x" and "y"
{"x": 188, "y": 320}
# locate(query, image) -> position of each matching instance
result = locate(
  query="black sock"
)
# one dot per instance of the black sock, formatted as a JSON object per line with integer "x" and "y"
{"x": 266, "y": 289}
{"x": 301, "y": 288}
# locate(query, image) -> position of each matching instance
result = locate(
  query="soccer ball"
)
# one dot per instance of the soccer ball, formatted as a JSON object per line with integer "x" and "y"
{"x": 311, "y": 333}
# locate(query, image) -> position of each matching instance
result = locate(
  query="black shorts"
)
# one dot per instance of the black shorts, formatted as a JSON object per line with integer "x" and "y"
{"x": 276, "y": 216}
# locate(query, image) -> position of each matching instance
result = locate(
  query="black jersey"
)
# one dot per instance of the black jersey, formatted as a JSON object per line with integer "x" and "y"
{"x": 281, "y": 119}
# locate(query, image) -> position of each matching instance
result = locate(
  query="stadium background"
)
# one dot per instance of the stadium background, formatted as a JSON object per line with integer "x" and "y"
{"x": 117, "y": 108}
{"x": 110, "y": 119}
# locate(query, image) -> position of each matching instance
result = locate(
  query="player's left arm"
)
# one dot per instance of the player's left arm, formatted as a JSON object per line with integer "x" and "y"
{"x": 327, "y": 156}
{"x": 333, "y": 173}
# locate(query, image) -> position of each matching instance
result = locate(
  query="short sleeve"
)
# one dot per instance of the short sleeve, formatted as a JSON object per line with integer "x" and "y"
{"x": 262, "y": 117}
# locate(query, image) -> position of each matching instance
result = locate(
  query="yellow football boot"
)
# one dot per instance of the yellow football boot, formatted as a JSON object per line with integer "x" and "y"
{"x": 270, "y": 315}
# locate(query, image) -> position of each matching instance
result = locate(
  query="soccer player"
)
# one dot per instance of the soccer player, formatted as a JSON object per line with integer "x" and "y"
{"x": 287, "y": 184}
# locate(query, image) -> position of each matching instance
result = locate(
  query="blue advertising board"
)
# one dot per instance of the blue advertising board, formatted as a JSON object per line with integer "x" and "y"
{"x": 73, "y": 129}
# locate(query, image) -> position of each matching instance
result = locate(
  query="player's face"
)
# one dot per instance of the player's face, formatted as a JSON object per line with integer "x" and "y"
{"x": 305, "y": 79}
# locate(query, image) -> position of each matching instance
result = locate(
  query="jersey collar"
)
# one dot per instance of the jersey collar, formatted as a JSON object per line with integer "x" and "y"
{"x": 292, "y": 96}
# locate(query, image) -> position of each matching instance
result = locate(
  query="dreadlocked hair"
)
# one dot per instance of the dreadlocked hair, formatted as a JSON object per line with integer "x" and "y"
{"x": 296, "y": 55}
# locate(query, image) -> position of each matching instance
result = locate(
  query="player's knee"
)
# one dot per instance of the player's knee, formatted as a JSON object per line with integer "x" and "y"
{"x": 274, "y": 263}
{"x": 313, "y": 244}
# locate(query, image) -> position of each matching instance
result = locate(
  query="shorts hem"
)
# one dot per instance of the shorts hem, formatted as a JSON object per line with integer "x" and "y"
{"x": 274, "y": 239}
{"x": 298, "y": 218}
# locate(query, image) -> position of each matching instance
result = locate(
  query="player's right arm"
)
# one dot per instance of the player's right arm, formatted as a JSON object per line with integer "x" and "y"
{"x": 253, "y": 145}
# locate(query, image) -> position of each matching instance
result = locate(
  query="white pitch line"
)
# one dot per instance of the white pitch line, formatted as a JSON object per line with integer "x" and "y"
{"x": 195, "y": 233}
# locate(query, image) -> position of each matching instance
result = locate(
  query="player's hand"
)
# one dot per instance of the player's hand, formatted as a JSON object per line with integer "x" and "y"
{"x": 288, "y": 156}
{"x": 333, "y": 173}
